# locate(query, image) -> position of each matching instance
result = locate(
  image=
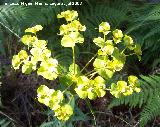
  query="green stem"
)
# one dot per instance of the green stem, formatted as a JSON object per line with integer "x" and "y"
{"x": 123, "y": 50}
{"x": 89, "y": 73}
{"x": 74, "y": 62}
{"x": 88, "y": 62}
{"x": 67, "y": 88}
{"x": 89, "y": 105}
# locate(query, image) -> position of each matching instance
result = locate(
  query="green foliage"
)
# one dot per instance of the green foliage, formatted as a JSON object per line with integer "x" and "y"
{"x": 64, "y": 56}
{"x": 150, "y": 111}
{"x": 146, "y": 28}
{"x": 148, "y": 99}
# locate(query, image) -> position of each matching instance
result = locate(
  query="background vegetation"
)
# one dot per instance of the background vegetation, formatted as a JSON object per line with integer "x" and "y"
{"x": 138, "y": 18}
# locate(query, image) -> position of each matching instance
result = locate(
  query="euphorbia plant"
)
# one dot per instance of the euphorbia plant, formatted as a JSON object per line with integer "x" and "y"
{"x": 109, "y": 59}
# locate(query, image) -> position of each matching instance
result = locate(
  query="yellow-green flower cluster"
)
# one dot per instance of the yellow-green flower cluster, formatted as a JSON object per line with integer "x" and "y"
{"x": 122, "y": 89}
{"x": 91, "y": 89}
{"x": 110, "y": 59}
{"x": 68, "y": 15}
{"x": 64, "y": 112}
{"x": 117, "y": 35}
{"x": 54, "y": 100}
{"x": 38, "y": 53}
{"x": 34, "y": 29}
{"x": 70, "y": 31}
{"x": 29, "y": 40}
{"x": 128, "y": 41}
{"x": 104, "y": 27}
{"x": 18, "y": 59}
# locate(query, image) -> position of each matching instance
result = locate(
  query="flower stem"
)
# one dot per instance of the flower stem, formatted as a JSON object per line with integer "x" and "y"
{"x": 89, "y": 62}
{"x": 74, "y": 61}
{"x": 89, "y": 105}
{"x": 123, "y": 50}
{"x": 67, "y": 88}
{"x": 93, "y": 74}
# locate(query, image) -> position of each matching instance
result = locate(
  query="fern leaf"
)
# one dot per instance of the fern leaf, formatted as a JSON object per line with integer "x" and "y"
{"x": 150, "y": 111}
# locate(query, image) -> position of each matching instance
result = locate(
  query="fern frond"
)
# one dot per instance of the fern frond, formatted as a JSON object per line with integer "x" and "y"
{"x": 64, "y": 56}
{"x": 145, "y": 22}
{"x": 150, "y": 111}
